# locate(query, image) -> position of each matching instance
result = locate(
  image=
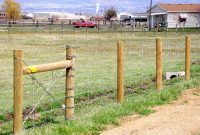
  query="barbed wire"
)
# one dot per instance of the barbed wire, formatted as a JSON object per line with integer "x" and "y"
{"x": 35, "y": 79}
{"x": 96, "y": 65}
{"x": 42, "y": 97}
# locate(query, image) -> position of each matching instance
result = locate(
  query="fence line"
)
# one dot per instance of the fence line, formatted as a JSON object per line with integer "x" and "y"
{"x": 117, "y": 27}
{"x": 96, "y": 63}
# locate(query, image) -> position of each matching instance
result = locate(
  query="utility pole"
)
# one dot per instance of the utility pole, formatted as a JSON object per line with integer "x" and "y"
{"x": 150, "y": 15}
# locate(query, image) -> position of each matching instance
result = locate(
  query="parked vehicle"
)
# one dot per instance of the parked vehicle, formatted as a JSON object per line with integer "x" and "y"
{"x": 89, "y": 24}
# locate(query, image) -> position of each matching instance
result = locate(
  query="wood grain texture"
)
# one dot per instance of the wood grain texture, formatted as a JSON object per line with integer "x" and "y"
{"x": 120, "y": 71}
{"x": 187, "y": 57}
{"x": 70, "y": 84}
{"x": 47, "y": 67}
{"x": 18, "y": 91}
{"x": 159, "y": 63}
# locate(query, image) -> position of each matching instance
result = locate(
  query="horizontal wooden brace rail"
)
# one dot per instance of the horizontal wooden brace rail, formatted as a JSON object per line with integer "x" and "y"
{"x": 47, "y": 67}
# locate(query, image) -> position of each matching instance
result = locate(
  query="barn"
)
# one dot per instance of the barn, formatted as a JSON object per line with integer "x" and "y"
{"x": 175, "y": 15}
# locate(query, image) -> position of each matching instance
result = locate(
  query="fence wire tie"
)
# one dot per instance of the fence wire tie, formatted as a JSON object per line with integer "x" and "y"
{"x": 69, "y": 107}
{"x": 70, "y": 88}
{"x": 69, "y": 76}
{"x": 69, "y": 96}
{"x": 69, "y": 57}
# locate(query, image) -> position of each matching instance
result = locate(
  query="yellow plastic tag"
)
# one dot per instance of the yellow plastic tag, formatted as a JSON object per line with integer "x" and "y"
{"x": 32, "y": 69}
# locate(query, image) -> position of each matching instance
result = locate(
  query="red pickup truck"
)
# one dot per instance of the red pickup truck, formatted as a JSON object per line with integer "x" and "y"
{"x": 89, "y": 24}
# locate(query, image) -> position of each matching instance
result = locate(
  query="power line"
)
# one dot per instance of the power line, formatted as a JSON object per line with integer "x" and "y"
{"x": 150, "y": 15}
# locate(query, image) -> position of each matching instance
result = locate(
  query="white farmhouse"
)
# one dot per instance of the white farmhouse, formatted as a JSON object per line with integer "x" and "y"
{"x": 181, "y": 15}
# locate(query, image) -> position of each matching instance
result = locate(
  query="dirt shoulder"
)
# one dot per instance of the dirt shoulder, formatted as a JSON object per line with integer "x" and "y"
{"x": 181, "y": 117}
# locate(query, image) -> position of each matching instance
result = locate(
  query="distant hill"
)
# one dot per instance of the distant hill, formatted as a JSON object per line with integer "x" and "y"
{"x": 90, "y": 6}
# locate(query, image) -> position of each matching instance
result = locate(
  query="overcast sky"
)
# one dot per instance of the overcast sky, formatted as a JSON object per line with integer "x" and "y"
{"x": 92, "y": 6}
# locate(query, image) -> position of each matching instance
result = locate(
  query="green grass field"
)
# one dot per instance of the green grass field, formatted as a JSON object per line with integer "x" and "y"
{"x": 95, "y": 77}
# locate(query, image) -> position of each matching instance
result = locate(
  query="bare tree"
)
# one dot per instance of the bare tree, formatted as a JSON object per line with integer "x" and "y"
{"x": 110, "y": 13}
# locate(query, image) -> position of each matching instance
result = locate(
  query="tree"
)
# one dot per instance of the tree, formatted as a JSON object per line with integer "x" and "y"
{"x": 110, "y": 13}
{"x": 12, "y": 9}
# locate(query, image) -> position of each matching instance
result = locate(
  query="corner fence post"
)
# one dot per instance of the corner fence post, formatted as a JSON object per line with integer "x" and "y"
{"x": 120, "y": 71}
{"x": 70, "y": 84}
{"x": 187, "y": 57}
{"x": 18, "y": 91}
{"x": 158, "y": 63}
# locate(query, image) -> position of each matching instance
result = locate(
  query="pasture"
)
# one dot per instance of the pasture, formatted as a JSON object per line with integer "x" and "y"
{"x": 95, "y": 77}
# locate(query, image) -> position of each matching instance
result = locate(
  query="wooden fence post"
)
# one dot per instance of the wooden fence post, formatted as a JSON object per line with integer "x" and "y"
{"x": 120, "y": 71}
{"x": 70, "y": 84}
{"x": 158, "y": 63}
{"x": 187, "y": 58}
{"x": 18, "y": 91}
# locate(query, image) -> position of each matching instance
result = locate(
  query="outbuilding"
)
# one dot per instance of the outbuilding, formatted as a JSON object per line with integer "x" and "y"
{"x": 175, "y": 15}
